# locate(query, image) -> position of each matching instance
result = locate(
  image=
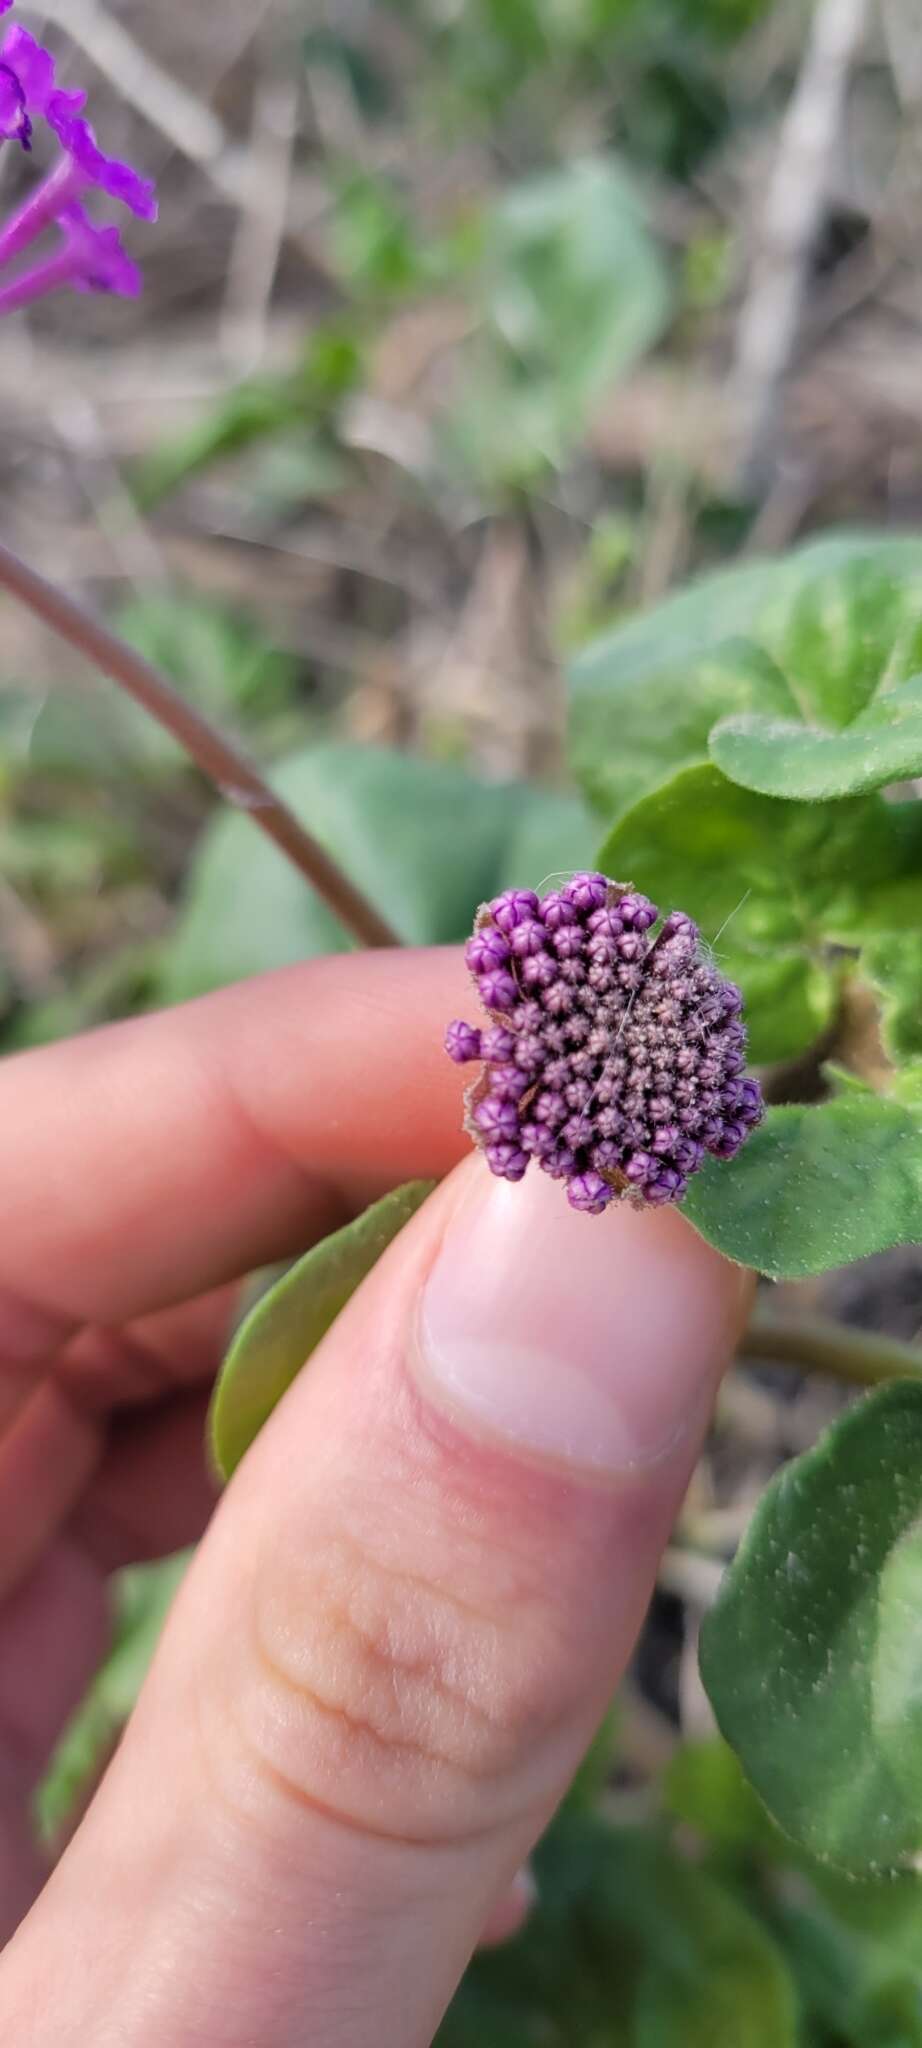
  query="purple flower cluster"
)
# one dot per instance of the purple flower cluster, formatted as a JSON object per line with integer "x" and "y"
{"x": 615, "y": 1053}
{"x": 86, "y": 257}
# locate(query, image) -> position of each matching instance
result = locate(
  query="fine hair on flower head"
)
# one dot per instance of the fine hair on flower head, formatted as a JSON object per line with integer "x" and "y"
{"x": 615, "y": 1053}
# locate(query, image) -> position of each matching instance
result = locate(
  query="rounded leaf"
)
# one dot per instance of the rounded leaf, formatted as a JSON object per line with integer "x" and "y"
{"x": 816, "y": 1186}
{"x": 784, "y": 757}
{"x": 812, "y": 1655}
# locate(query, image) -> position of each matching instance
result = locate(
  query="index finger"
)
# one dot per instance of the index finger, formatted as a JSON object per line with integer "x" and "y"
{"x": 154, "y": 1159}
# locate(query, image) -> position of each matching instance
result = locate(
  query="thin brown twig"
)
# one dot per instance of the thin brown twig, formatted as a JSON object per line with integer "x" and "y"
{"x": 219, "y": 758}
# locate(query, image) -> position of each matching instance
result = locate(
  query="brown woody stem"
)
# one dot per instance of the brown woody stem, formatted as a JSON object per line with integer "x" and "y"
{"x": 226, "y": 765}
{"x": 819, "y": 1344}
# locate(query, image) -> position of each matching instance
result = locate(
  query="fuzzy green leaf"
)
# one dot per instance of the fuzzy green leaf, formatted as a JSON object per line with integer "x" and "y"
{"x": 812, "y": 1655}
{"x": 816, "y": 1186}
{"x": 893, "y": 964}
{"x": 277, "y": 1337}
{"x": 824, "y": 624}
{"x": 784, "y": 757}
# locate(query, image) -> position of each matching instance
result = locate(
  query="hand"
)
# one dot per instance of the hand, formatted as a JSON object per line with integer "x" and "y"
{"x": 413, "y": 1602}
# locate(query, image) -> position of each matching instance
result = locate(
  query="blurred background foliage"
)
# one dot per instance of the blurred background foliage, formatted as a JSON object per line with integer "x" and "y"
{"x": 461, "y": 351}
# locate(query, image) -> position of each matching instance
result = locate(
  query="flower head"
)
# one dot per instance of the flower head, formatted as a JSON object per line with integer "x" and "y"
{"x": 615, "y": 1053}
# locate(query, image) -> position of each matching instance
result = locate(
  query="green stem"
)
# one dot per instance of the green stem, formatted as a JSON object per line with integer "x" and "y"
{"x": 819, "y": 1344}
{"x": 224, "y": 763}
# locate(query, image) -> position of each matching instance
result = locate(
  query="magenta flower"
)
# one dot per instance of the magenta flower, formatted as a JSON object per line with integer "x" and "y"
{"x": 619, "y": 1078}
{"x": 89, "y": 166}
{"x": 15, "y": 124}
{"x": 87, "y": 257}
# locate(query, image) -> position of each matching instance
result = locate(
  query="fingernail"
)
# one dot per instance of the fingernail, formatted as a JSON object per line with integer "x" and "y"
{"x": 593, "y": 1342}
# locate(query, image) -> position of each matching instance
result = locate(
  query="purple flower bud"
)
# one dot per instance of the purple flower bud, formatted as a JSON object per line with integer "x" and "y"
{"x": 555, "y": 912}
{"x": 498, "y": 1043}
{"x": 668, "y": 1187}
{"x": 568, "y": 941}
{"x": 486, "y": 949}
{"x": 537, "y": 1140}
{"x": 637, "y": 911}
{"x": 560, "y": 1163}
{"x": 586, "y": 892}
{"x": 627, "y": 1053}
{"x": 508, "y": 1082}
{"x": 514, "y": 907}
{"x": 529, "y": 937}
{"x": 676, "y": 922}
{"x": 507, "y": 1161}
{"x": 752, "y": 1108}
{"x": 529, "y": 1051}
{"x": 730, "y": 1139}
{"x": 589, "y": 1193}
{"x": 550, "y": 1108}
{"x": 462, "y": 1042}
{"x": 497, "y": 989}
{"x": 606, "y": 922}
{"x": 558, "y": 999}
{"x": 496, "y": 1118}
{"x": 666, "y": 1140}
{"x": 539, "y": 971}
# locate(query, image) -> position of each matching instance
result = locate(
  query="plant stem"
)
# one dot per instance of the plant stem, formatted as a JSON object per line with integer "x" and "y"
{"x": 232, "y": 773}
{"x": 820, "y": 1344}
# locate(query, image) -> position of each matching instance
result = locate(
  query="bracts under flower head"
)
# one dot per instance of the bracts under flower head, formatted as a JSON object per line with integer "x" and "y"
{"x": 614, "y": 1058}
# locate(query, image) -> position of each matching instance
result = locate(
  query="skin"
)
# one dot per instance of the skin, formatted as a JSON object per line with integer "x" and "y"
{"x": 399, "y": 1631}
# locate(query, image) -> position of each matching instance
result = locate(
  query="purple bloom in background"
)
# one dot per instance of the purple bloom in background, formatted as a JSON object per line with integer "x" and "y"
{"x": 619, "y": 1079}
{"x": 92, "y": 167}
{"x": 88, "y": 258}
{"x": 15, "y": 124}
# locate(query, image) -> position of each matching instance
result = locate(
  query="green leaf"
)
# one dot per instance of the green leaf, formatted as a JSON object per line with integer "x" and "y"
{"x": 645, "y": 696}
{"x": 893, "y": 964}
{"x": 276, "y": 1339}
{"x": 425, "y": 841}
{"x": 816, "y": 1186}
{"x": 771, "y": 884}
{"x": 628, "y": 1944}
{"x": 574, "y": 291}
{"x": 704, "y": 1787}
{"x": 812, "y": 1655}
{"x": 785, "y": 758}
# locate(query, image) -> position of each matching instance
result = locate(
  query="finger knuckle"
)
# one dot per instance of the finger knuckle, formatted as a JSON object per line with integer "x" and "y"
{"x": 378, "y": 1695}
